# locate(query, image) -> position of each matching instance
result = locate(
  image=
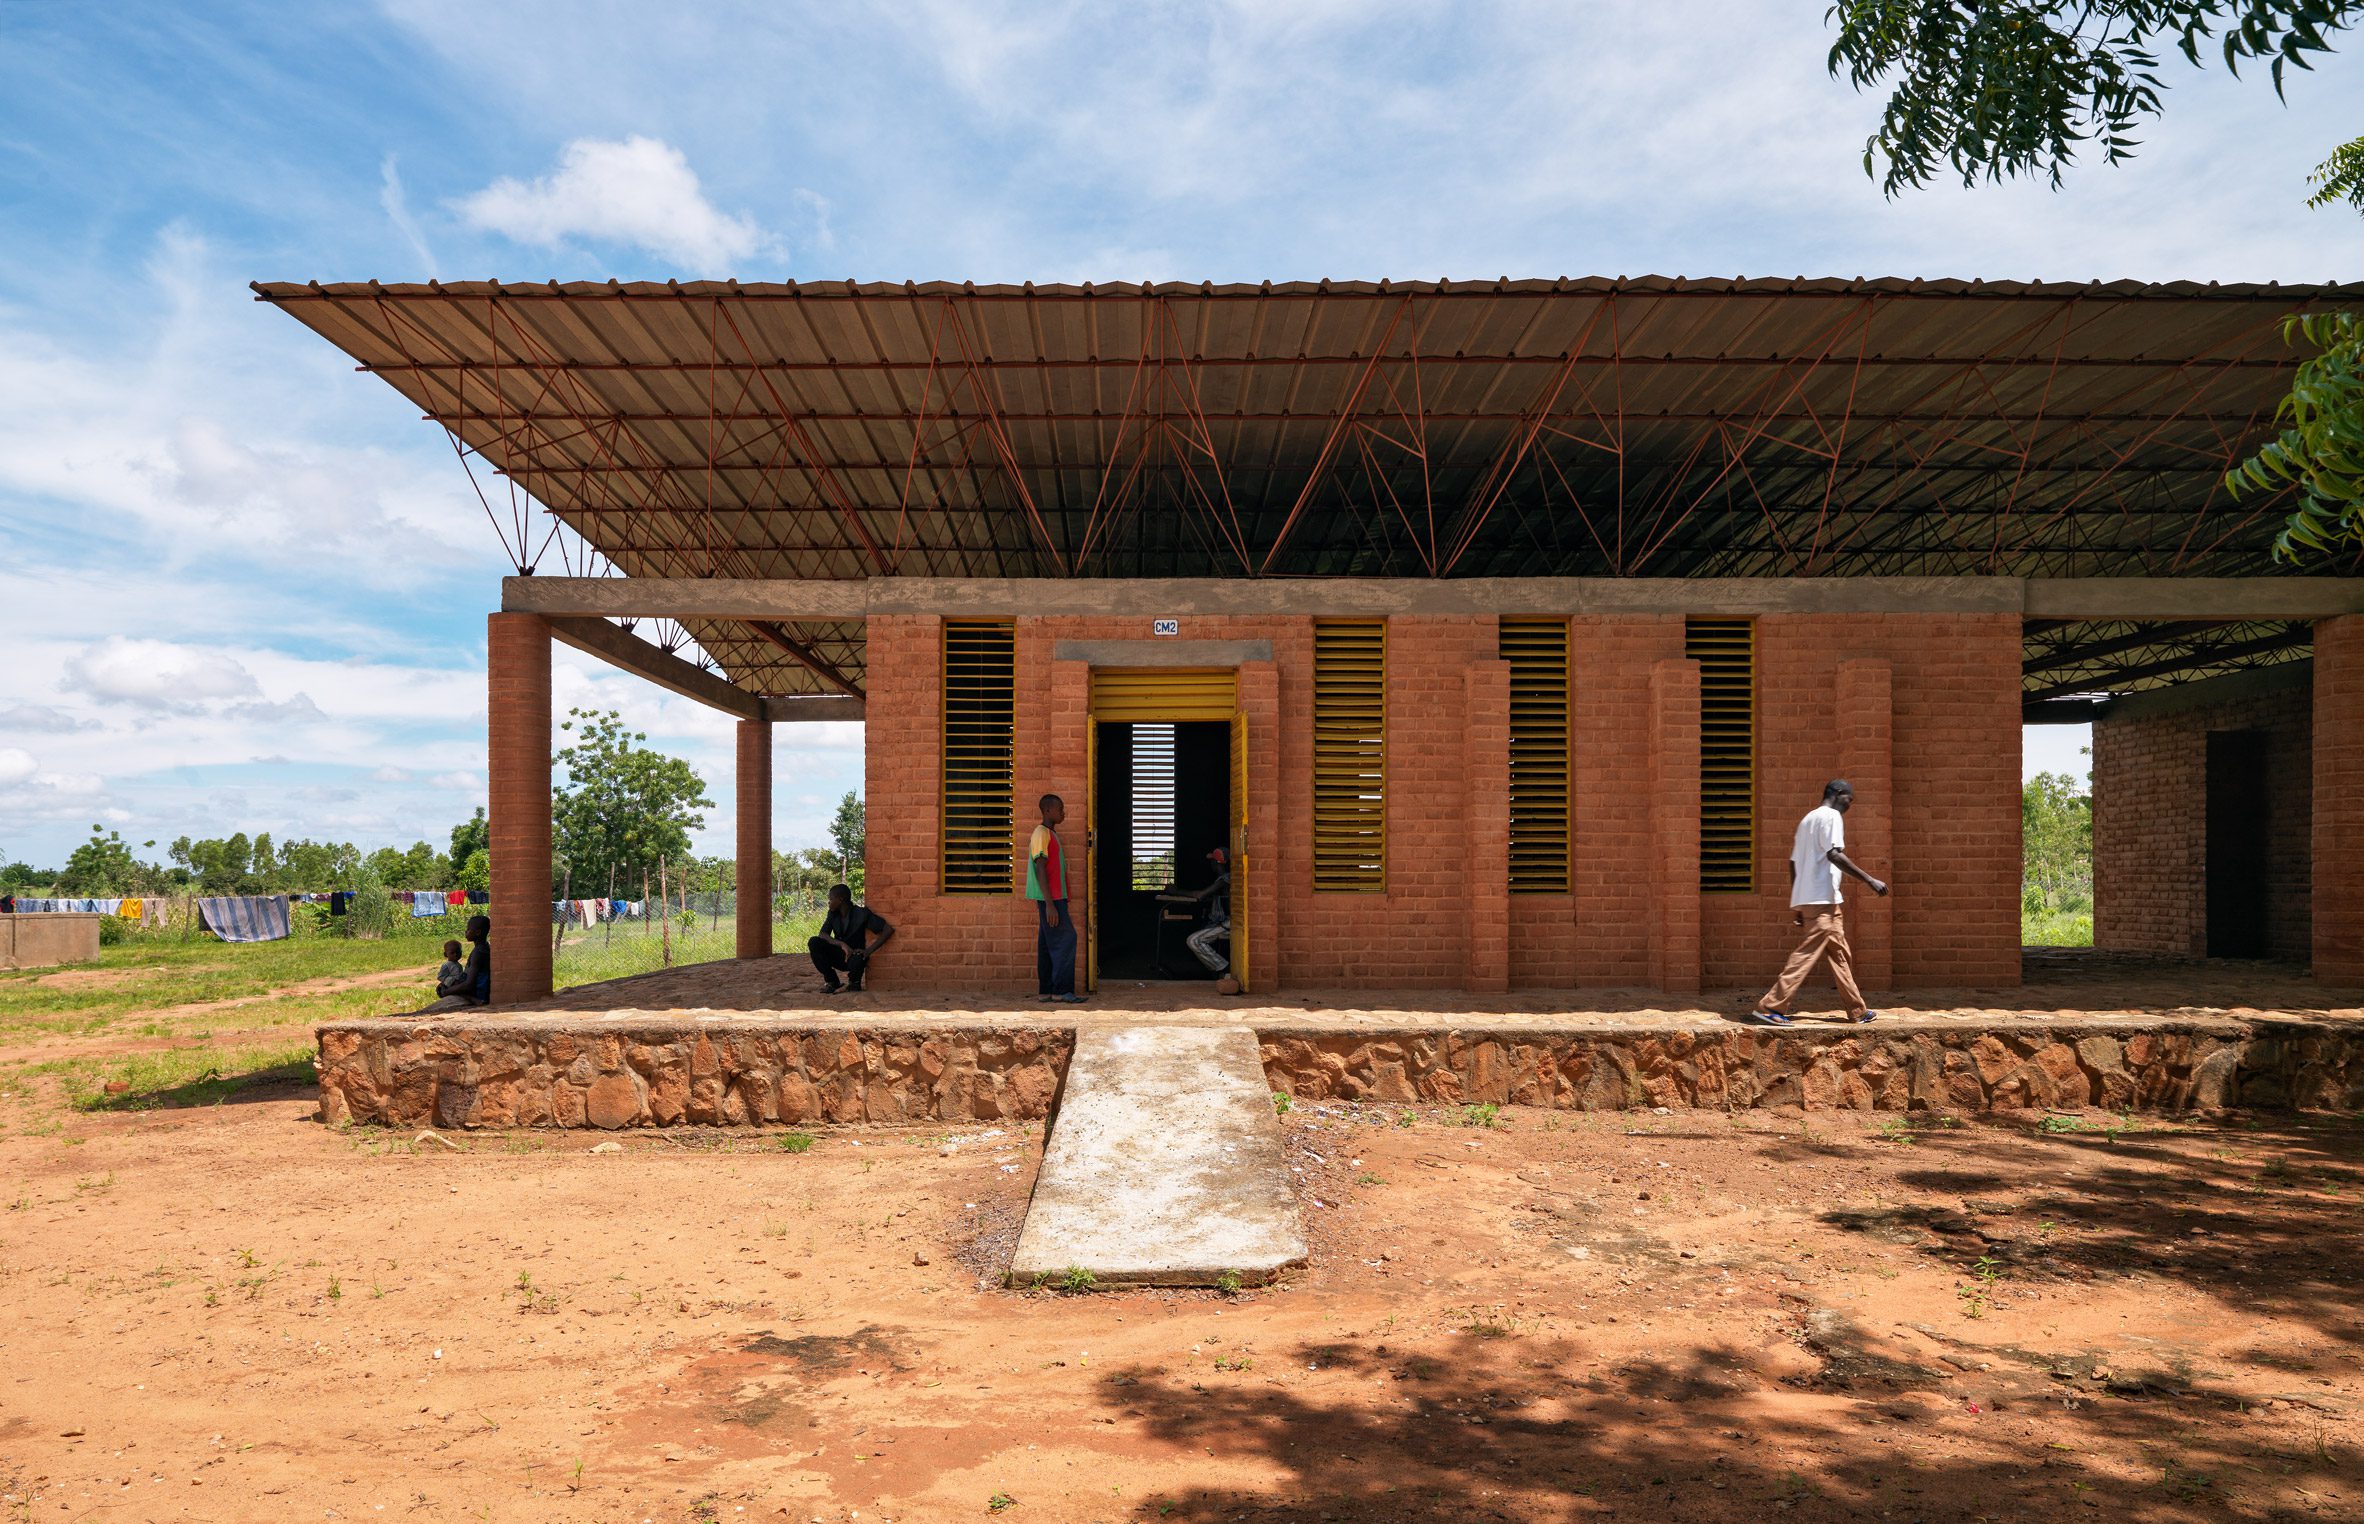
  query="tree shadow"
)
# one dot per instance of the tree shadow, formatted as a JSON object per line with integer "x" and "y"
{"x": 2260, "y": 1213}
{"x": 1540, "y": 1429}
{"x": 293, "y": 1080}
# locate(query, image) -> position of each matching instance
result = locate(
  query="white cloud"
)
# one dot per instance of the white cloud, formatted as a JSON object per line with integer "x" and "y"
{"x": 158, "y": 674}
{"x": 638, "y": 191}
{"x": 16, "y": 766}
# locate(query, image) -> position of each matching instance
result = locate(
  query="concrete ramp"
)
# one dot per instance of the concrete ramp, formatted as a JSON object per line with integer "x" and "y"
{"x": 1165, "y": 1166}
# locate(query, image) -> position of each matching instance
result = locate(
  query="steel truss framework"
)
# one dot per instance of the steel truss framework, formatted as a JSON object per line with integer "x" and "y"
{"x": 1627, "y": 428}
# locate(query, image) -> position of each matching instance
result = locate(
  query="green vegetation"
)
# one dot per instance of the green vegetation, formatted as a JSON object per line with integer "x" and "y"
{"x": 624, "y": 810}
{"x": 2056, "y": 855}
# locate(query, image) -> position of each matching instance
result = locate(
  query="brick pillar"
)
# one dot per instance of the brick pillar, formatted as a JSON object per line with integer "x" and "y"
{"x": 1485, "y": 738}
{"x": 1070, "y": 768}
{"x": 518, "y": 731}
{"x": 1865, "y": 720}
{"x": 1259, "y": 701}
{"x": 2339, "y": 800}
{"x": 1674, "y": 821}
{"x": 755, "y": 839}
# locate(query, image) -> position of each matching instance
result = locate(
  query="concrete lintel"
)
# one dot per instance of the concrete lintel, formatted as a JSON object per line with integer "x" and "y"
{"x": 596, "y": 637}
{"x": 2244, "y": 598}
{"x": 808, "y": 709}
{"x": 1148, "y": 598}
{"x": 1165, "y": 652}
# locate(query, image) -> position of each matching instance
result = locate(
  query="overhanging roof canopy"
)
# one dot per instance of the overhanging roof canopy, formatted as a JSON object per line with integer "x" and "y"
{"x": 1648, "y": 427}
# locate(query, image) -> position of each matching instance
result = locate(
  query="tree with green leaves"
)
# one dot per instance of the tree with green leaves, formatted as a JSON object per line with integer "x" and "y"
{"x": 846, "y": 831}
{"x": 469, "y": 837}
{"x": 1995, "y": 89}
{"x": 104, "y": 865}
{"x": 623, "y": 807}
{"x": 2056, "y": 843}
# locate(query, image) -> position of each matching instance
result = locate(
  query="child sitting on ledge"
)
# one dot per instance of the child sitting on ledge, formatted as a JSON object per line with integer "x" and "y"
{"x": 452, "y": 978}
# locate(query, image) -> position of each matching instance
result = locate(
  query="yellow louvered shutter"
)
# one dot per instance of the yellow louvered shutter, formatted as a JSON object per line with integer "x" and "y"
{"x": 1350, "y": 756}
{"x": 1135, "y": 695}
{"x": 1726, "y": 650}
{"x": 1537, "y": 650}
{"x": 980, "y": 720}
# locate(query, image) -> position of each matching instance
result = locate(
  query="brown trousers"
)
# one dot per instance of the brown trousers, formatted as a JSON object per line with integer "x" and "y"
{"x": 1826, "y": 937}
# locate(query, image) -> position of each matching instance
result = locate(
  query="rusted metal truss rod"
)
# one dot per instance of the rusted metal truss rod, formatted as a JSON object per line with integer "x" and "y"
{"x": 2032, "y": 363}
{"x": 2280, "y": 640}
{"x": 804, "y": 655}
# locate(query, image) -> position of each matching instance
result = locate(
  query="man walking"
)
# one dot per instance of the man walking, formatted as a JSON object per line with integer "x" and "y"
{"x": 1817, "y": 859}
{"x": 1046, "y": 885}
{"x": 844, "y": 942}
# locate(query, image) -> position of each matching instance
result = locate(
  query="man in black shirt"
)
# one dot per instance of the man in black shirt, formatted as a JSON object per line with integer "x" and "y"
{"x": 844, "y": 942}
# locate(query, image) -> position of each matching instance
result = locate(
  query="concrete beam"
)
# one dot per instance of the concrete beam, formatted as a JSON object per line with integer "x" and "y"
{"x": 1174, "y": 597}
{"x": 1147, "y": 598}
{"x": 803, "y": 708}
{"x": 2180, "y": 598}
{"x": 596, "y": 637}
{"x": 1166, "y": 652}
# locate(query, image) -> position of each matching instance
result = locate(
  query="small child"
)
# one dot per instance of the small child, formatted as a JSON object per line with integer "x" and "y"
{"x": 452, "y": 978}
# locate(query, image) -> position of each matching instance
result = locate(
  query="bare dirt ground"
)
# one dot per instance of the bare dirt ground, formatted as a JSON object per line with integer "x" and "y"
{"x": 235, "y": 1313}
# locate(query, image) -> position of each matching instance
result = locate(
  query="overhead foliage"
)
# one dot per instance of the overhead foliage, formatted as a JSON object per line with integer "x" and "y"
{"x": 1992, "y": 89}
{"x": 2320, "y": 450}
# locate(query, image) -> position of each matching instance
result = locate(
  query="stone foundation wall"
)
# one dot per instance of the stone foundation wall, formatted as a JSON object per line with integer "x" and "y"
{"x": 630, "y": 1073}
{"x": 2170, "y": 1067}
{"x": 635, "y": 1072}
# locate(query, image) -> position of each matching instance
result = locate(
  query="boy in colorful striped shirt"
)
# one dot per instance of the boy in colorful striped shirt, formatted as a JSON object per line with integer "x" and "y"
{"x": 1046, "y": 885}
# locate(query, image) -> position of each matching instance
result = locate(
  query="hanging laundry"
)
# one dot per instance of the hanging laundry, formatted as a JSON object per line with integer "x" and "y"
{"x": 132, "y": 908}
{"x": 245, "y": 917}
{"x": 425, "y": 902}
{"x": 479, "y": 897}
{"x": 456, "y": 897}
{"x": 339, "y": 900}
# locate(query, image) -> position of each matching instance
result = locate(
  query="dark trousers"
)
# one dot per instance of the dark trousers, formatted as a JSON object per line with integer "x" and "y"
{"x": 1054, "y": 949}
{"x": 828, "y": 957}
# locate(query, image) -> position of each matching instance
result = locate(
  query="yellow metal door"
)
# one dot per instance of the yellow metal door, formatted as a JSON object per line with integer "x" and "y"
{"x": 1239, "y": 849}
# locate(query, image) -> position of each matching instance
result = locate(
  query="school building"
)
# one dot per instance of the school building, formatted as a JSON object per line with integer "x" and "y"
{"x": 1499, "y": 632}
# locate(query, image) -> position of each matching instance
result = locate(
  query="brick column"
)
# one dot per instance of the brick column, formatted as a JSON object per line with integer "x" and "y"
{"x": 1070, "y": 768}
{"x": 1485, "y": 737}
{"x": 1674, "y": 822}
{"x": 518, "y": 731}
{"x": 2339, "y": 800}
{"x": 1259, "y": 701}
{"x": 755, "y": 839}
{"x": 1865, "y": 721}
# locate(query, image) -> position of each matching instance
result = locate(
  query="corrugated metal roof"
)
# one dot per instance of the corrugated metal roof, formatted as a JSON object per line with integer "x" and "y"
{"x": 1646, "y": 426}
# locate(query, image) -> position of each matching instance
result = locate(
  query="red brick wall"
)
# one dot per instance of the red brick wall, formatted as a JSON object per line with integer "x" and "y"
{"x": 1633, "y": 917}
{"x": 518, "y": 819}
{"x": 1952, "y": 823}
{"x": 2150, "y": 824}
{"x": 2337, "y": 911}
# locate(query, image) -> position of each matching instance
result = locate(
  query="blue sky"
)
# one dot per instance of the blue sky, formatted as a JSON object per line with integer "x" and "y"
{"x": 244, "y": 587}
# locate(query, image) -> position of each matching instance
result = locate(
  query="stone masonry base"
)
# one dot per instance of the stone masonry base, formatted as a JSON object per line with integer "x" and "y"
{"x": 618, "y": 1071}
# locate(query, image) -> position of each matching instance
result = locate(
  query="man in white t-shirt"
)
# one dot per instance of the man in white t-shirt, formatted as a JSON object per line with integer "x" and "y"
{"x": 1817, "y": 860}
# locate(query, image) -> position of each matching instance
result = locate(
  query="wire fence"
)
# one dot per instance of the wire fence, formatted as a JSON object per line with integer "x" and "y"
{"x": 592, "y": 940}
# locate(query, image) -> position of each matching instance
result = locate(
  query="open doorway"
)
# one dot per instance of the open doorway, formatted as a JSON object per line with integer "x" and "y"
{"x": 1161, "y": 800}
{"x": 2240, "y": 830}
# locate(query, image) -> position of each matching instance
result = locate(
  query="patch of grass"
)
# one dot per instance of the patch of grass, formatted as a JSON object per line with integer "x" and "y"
{"x": 1228, "y": 1283}
{"x": 1076, "y": 1280}
{"x": 1479, "y": 1114}
{"x": 1366, "y": 1178}
{"x": 1896, "y": 1130}
{"x": 1000, "y": 1502}
{"x": 189, "y": 1076}
{"x": 1234, "y": 1363}
{"x": 793, "y": 1142}
{"x": 2056, "y": 928}
{"x": 1280, "y": 1103}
